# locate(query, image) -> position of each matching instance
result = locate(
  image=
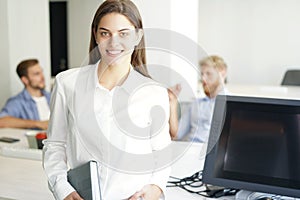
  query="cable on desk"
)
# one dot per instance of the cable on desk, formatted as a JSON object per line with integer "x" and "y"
{"x": 173, "y": 177}
{"x": 190, "y": 183}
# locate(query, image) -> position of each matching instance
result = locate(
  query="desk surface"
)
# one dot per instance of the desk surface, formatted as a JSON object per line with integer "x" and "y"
{"x": 271, "y": 91}
{"x": 21, "y": 178}
{"x": 191, "y": 161}
{"x": 25, "y": 179}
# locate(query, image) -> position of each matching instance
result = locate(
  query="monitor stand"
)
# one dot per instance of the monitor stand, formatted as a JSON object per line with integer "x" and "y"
{"x": 248, "y": 195}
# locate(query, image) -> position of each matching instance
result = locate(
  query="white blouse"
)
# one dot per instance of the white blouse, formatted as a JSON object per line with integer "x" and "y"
{"x": 125, "y": 129}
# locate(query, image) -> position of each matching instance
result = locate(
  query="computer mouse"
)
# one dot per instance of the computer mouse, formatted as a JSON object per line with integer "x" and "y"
{"x": 264, "y": 198}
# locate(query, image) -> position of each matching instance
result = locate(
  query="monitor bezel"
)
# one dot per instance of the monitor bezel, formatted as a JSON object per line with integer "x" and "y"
{"x": 218, "y": 120}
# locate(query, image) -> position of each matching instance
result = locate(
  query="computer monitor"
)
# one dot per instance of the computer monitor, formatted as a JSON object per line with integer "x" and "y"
{"x": 254, "y": 145}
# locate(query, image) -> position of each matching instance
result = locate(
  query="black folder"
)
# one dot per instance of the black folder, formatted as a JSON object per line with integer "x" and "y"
{"x": 85, "y": 180}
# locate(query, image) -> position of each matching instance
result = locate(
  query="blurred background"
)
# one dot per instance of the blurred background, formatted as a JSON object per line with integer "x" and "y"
{"x": 259, "y": 40}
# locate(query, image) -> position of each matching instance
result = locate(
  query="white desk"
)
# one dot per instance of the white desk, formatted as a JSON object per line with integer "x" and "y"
{"x": 191, "y": 161}
{"x": 21, "y": 179}
{"x": 271, "y": 91}
{"x": 24, "y": 179}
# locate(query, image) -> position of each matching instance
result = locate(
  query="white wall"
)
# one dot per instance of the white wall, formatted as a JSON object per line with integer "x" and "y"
{"x": 258, "y": 39}
{"x": 184, "y": 20}
{"x": 25, "y": 35}
{"x": 4, "y": 48}
{"x": 156, "y": 14}
{"x": 177, "y": 18}
{"x": 80, "y": 17}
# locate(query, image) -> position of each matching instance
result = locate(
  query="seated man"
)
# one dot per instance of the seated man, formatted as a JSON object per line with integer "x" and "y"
{"x": 195, "y": 123}
{"x": 30, "y": 108}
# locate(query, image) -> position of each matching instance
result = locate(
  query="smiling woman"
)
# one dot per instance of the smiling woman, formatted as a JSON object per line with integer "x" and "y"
{"x": 125, "y": 22}
{"x": 116, "y": 44}
{"x": 112, "y": 112}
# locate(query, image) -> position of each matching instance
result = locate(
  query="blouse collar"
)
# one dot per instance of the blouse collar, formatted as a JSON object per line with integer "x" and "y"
{"x": 134, "y": 80}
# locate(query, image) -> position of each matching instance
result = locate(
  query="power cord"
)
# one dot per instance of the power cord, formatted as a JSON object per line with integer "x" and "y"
{"x": 193, "y": 182}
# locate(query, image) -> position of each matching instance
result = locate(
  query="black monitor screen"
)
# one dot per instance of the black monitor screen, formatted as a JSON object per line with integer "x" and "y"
{"x": 254, "y": 144}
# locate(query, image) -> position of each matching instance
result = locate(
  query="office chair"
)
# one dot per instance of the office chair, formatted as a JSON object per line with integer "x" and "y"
{"x": 183, "y": 107}
{"x": 291, "y": 77}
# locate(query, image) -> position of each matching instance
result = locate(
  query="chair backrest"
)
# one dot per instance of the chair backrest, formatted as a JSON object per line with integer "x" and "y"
{"x": 183, "y": 107}
{"x": 291, "y": 77}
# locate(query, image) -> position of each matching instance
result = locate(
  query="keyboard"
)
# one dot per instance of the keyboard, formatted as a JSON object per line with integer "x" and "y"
{"x": 21, "y": 152}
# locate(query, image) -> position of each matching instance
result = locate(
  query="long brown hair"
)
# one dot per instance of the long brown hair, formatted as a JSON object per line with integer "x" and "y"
{"x": 130, "y": 11}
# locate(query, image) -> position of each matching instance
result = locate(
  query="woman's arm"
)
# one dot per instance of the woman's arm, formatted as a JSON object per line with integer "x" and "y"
{"x": 160, "y": 143}
{"x": 54, "y": 151}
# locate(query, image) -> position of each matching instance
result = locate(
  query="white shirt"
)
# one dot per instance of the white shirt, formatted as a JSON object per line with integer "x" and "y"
{"x": 42, "y": 107}
{"x": 115, "y": 128}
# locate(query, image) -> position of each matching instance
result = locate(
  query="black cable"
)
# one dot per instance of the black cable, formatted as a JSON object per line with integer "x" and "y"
{"x": 195, "y": 181}
{"x": 174, "y": 177}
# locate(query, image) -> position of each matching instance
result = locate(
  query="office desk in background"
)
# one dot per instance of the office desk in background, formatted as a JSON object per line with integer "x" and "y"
{"x": 24, "y": 179}
{"x": 21, "y": 179}
{"x": 270, "y": 91}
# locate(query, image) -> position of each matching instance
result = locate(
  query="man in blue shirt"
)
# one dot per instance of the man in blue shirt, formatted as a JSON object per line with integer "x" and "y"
{"x": 195, "y": 123}
{"x": 30, "y": 108}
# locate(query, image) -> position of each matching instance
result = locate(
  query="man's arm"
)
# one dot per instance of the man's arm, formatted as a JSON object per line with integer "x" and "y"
{"x": 173, "y": 120}
{"x": 173, "y": 93}
{"x": 13, "y": 122}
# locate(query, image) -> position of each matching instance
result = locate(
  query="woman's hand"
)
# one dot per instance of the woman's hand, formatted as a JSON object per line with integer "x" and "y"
{"x": 73, "y": 196}
{"x": 149, "y": 192}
